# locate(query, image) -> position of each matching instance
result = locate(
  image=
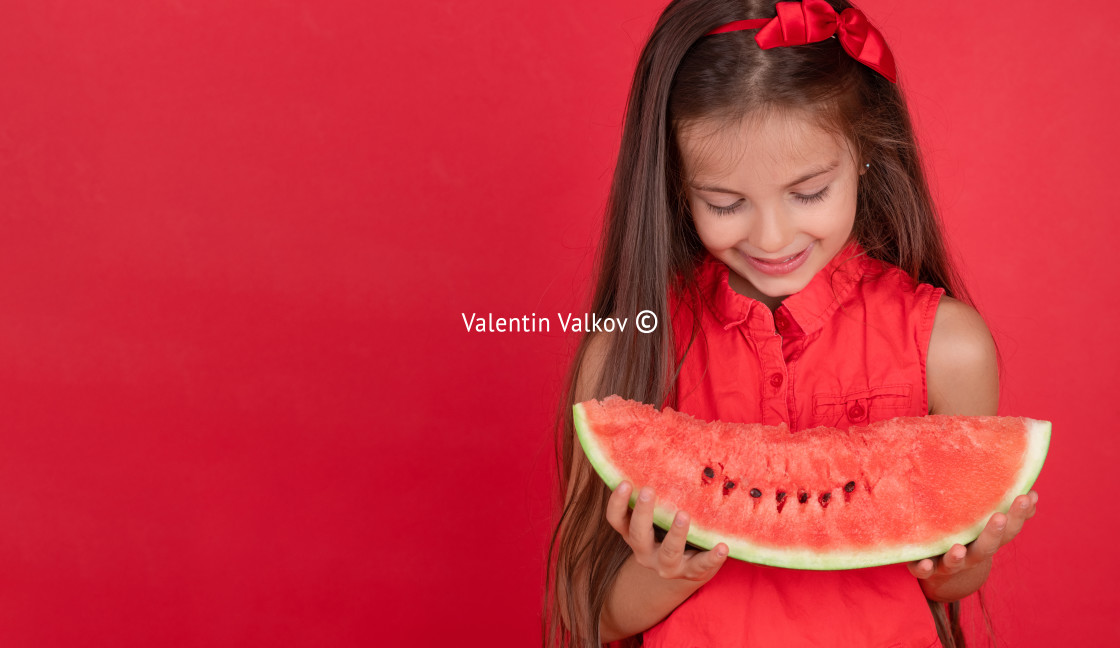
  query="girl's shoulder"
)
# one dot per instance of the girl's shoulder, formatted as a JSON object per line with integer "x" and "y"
{"x": 885, "y": 288}
{"x": 962, "y": 366}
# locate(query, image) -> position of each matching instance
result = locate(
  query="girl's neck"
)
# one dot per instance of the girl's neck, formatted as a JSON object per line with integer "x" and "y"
{"x": 745, "y": 288}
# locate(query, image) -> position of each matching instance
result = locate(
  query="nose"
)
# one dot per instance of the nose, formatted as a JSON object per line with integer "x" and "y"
{"x": 772, "y": 231}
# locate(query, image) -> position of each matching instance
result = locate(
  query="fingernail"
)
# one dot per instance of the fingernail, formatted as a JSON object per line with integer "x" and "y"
{"x": 1023, "y": 505}
{"x": 721, "y": 552}
{"x": 679, "y": 521}
{"x": 644, "y": 495}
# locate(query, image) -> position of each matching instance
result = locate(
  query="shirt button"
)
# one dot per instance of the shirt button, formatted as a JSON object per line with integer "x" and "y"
{"x": 780, "y": 320}
{"x": 776, "y": 380}
{"x": 855, "y": 412}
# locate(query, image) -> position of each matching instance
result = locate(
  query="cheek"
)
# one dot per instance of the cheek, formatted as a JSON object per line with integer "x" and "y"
{"x": 715, "y": 231}
{"x": 847, "y": 218}
{"x": 835, "y": 221}
{"x": 846, "y": 211}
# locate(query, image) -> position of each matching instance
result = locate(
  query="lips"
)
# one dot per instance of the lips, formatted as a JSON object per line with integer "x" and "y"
{"x": 782, "y": 265}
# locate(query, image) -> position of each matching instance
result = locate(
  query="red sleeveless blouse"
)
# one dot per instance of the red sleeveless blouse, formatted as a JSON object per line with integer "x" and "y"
{"x": 847, "y": 350}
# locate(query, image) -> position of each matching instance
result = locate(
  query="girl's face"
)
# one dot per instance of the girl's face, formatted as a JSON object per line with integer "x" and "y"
{"x": 773, "y": 197}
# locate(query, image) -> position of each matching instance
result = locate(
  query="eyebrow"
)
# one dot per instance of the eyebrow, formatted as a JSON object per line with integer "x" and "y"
{"x": 809, "y": 175}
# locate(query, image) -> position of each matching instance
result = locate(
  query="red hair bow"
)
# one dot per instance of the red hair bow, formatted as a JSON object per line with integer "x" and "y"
{"x": 811, "y": 21}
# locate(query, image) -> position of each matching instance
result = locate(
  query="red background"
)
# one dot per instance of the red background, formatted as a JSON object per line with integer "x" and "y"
{"x": 238, "y": 404}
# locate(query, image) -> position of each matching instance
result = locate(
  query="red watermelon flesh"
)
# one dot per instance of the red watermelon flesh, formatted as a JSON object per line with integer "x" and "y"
{"x": 823, "y": 498}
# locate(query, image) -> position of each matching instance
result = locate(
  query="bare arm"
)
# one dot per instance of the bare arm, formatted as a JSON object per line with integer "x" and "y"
{"x": 656, "y": 577}
{"x": 962, "y": 378}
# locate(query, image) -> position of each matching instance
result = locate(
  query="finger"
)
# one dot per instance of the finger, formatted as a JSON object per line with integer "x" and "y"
{"x": 704, "y": 565}
{"x": 1016, "y": 517}
{"x": 922, "y": 568}
{"x": 641, "y": 523}
{"x": 618, "y": 509}
{"x": 953, "y": 560}
{"x": 985, "y": 546}
{"x": 671, "y": 552}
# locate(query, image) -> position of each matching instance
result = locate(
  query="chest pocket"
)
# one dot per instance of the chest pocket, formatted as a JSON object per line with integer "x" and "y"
{"x": 861, "y": 407}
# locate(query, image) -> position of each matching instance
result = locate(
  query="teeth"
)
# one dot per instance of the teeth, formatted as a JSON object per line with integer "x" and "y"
{"x": 780, "y": 261}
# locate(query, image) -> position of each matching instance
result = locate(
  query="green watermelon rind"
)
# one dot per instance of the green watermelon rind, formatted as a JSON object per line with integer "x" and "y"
{"x": 1038, "y": 444}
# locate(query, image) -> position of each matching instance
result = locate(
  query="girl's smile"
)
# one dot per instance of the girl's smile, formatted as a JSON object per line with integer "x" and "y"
{"x": 771, "y": 196}
{"x": 779, "y": 266}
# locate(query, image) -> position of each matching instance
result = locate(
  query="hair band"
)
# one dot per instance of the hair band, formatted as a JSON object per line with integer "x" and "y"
{"x": 812, "y": 21}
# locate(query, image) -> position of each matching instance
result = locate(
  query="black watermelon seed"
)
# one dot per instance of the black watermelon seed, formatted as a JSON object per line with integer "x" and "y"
{"x": 709, "y": 473}
{"x": 802, "y": 497}
{"x": 781, "y": 495}
{"x": 729, "y": 485}
{"x": 825, "y": 498}
{"x": 849, "y": 487}
{"x": 756, "y": 493}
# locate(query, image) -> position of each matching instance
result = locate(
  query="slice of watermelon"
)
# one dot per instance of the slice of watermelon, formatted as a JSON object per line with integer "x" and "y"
{"x": 824, "y": 498}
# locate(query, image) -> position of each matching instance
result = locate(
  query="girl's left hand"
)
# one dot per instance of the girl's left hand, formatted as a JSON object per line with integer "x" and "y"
{"x": 1000, "y": 530}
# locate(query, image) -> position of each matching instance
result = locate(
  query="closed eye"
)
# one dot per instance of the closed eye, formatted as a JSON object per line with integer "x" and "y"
{"x": 723, "y": 211}
{"x": 812, "y": 198}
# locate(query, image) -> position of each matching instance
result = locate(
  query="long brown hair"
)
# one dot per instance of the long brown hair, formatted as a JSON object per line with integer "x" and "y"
{"x": 650, "y": 248}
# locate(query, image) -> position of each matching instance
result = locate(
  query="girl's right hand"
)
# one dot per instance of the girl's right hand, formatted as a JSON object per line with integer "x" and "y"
{"x": 669, "y": 558}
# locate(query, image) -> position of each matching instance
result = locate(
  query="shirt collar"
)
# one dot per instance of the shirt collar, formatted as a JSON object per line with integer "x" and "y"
{"x": 801, "y": 313}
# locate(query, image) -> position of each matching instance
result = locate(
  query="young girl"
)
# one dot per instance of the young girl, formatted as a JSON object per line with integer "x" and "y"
{"x": 769, "y": 206}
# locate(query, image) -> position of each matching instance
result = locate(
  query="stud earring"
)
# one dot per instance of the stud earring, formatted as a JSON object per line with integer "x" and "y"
{"x": 867, "y": 166}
